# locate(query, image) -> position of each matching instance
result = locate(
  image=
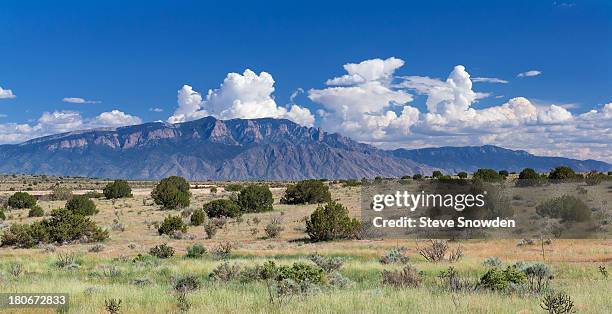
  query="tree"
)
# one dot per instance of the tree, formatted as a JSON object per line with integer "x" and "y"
{"x": 462, "y": 175}
{"x": 171, "y": 193}
{"x": 528, "y": 177}
{"x": 81, "y": 205}
{"x": 255, "y": 199}
{"x": 437, "y": 174}
{"x": 504, "y": 173}
{"x": 117, "y": 189}
{"x": 222, "y": 208}
{"x": 487, "y": 175}
{"x": 21, "y": 200}
{"x": 417, "y": 176}
{"x": 562, "y": 173}
{"x": 307, "y": 191}
{"x": 331, "y": 222}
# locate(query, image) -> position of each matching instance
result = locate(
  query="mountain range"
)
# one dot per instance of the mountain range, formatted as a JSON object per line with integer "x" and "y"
{"x": 248, "y": 149}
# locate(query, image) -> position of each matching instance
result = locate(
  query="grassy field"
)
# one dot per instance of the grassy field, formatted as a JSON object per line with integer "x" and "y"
{"x": 132, "y": 222}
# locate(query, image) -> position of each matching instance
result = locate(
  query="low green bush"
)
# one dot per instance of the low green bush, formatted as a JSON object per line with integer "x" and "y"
{"x": 307, "y": 191}
{"x": 255, "y": 199}
{"x": 196, "y": 251}
{"x": 36, "y": 211}
{"x": 222, "y": 208}
{"x": 82, "y": 205}
{"x": 162, "y": 251}
{"x": 63, "y": 226}
{"x": 117, "y": 189}
{"x": 197, "y": 217}
{"x": 499, "y": 280}
{"x": 171, "y": 224}
{"x": 172, "y": 193}
{"x": 566, "y": 207}
{"x": 331, "y": 222}
{"x": 21, "y": 200}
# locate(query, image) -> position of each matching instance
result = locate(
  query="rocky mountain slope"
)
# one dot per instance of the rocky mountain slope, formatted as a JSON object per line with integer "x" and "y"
{"x": 240, "y": 149}
{"x": 259, "y": 149}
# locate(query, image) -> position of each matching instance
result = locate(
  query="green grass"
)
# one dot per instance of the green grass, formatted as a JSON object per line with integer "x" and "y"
{"x": 90, "y": 285}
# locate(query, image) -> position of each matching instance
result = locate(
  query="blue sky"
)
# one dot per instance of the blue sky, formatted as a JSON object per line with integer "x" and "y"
{"x": 134, "y": 56}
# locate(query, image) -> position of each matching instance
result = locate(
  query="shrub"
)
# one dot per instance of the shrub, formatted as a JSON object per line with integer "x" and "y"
{"x": 93, "y": 194}
{"x": 21, "y": 200}
{"x": 36, "y": 211}
{"x": 499, "y": 280}
{"x": 562, "y": 174}
{"x": 63, "y": 226}
{"x": 404, "y": 278}
{"x": 557, "y": 303}
{"x": 196, "y": 251}
{"x": 331, "y": 222}
{"x": 117, "y": 189}
{"x": 566, "y": 207}
{"x": 462, "y": 175}
{"x": 225, "y": 272}
{"x": 61, "y": 193}
{"x": 162, "y": 251}
{"x": 197, "y": 217}
{"x": 395, "y": 256}
{"x": 223, "y": 250}
{"x": 300, "y": 272}
{"x": 417, "y": 176}
{"x": 81, "y": 205}
{"x": 211, "y": 226}
{"x": 488, "y": 175}
{"x": 337, "y": 280}
{"x": 492, "y": 261}
{"x": 171, "y": 224}
{"x": 329, "y": 264}
{"x": 255, "y": 199}
{"x": 435, "y": 252}
{"x": 503, "y": 173}
{"x": 2, "y": 215}
{"x": 233, "y": 187}
{"x": 538, "y": 275}
{"x": 171, "y": 193}
{"x": 307, "y": 191}
{"x": 66, "y": 226}
{"x": 529, "y": 177}
{"x": 222, "y": 208}
{"x": 274, "y": 228}
{"x": 594, "y": 178}
{"x": 112, "y": 306}
{"x": 452, "y": 281}
{"x": 96, "y": 248}
{"x": 187, "y": 283}
{"x": 67, "y": 260}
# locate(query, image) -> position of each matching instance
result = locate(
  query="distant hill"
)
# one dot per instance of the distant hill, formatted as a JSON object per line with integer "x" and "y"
{"x": 471, "y": 158}
{"x": 242, "y": 149}
{"x": 239, "y": 149}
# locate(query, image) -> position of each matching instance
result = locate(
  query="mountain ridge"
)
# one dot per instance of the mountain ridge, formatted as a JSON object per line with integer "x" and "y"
{"x": 248, "y": 149}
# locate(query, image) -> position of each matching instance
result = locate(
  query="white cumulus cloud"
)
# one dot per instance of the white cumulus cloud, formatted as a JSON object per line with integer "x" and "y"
{"x": 62, "y": 121}
{"x": 114, "y": 118}
{"x": 244, "y": 96}
{"x": 6, "y": 93}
